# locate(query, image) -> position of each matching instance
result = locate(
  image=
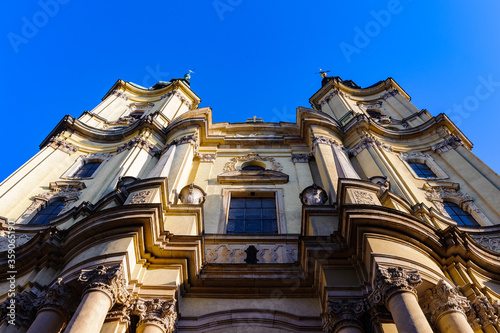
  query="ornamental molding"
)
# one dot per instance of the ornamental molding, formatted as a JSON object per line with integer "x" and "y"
{"x": 391, "y": 281}
{"x": 61, "y": 298}
{"x": 231, "y": 165}
{"x": 448, "y": 144}
{"x": 120, "y": 94}
{"x": 192, "y": 194}
{"x": 177, "y": 94}
{"x": 26, "y": 307}
{"x": 141, "y": 143}
{"x": 191, "y": 139}
{"x": 412, "y": 155}
{"x": 140, "y": 197}
{"x": 343, "y": 313}
{"x": 266, "y": 253}
{"x": 106, "y": 279}
{"x": 440, "y": 300}
{"x": 482, "y": 313}
{"x": 390, "y": 93}
{"x": 62, "y": 145}
{"x": 370, "y": 105}
{"x": 368, "y": 142}
{"x": 436, "y": 194}
{"x": 313, "y": 196}
{"x": 121, "y": 312}
{"x": 301, "y": 158}
{"x": 328, "y": 97}
{"x": 363, "y": 197}
{"x": 206, "y": 157}
{"x": 315, "y": 140}
{"x": 491, "y": 243}
{"x": 158, "y": 312}
{"x": 18, "y": 239}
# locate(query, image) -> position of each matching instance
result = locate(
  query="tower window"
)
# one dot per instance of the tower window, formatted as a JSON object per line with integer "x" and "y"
{"x": 422, "y": 170}
{"x": 86, "y": 170}
{"x": 459, "y": 215}
{"x": 136, "y": 114}
{"x": 250, "y": 215}
{"x": 50, "y": 211}
{"x": 374, "y": 114}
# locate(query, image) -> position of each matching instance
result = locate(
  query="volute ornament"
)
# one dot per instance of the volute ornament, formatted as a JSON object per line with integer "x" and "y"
{"x": 343, "y": 313}
{"x": 158, "y": 312}
{"x": 109, "y": 280}
{"x": 440, "y": 300}
{"x": 393, "y": 280}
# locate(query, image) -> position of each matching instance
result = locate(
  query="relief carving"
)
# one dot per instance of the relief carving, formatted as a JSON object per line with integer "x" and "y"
{"x": 158, "y": 312}
{"x": 363, "y": 198}
{"x": 110, "y": 280}
{"x": 141, "y": 197}
{"x": 313, "y": 195}
{"x": 181, "y": 140}
{"x": 390, "y": 93}
{"x": 343, "y": 313}
{"x": 393, "y": 280}
{"x": 60, "y": 298}
{"x": 63, "y": 145}
{"x": 441, "y": 299}
{"x": 139, "y": 142}
{"x": 448, "y": 144}
{"x": 368, "y": 142}
{"x": 489, "y": 242}
{"x": 192, "y": 194}
{"x": 231, "y": 165}
{"x": 301, "y": 158}
{"x": 20, "y": 240}
{"x": 235, "y": 254}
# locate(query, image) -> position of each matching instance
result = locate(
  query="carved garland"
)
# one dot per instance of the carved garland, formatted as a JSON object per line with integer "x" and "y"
{"x": 231, "y": 165}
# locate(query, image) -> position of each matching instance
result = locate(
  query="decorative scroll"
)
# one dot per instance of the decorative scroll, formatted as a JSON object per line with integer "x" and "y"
{"x": 368, "y": 142}
{"x": 393, "y": 280}
{"x": 448, "y": 144}
{"x": 139, "y": 142}
{"x": 158, "y": 312}
{"x": 343, "y": 313}
{"x": 110, "y": 280}
{"x": 440, "y": 299}
{"x": 63, "y": 145}
{"x": 231, "y": 165}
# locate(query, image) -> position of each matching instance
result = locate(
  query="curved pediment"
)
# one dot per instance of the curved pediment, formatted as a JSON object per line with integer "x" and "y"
{"x": 251, "y": 177}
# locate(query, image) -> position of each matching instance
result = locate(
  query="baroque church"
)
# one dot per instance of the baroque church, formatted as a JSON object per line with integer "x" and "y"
{"x": 143, "y": 215}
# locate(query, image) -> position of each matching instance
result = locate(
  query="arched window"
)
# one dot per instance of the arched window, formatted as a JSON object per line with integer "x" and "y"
{"x": 87, "y": 170}
{"x": 45, "y": 214}
{"x": 458, "y": 214}
{"x": 374, "y": 113}
{"x": 422, "y": 170}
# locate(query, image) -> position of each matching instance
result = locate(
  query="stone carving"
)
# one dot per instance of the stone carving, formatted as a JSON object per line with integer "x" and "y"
{"x": 315, "y": 140}
{"x": 313, "y": 195}
{"x": 206, "y": 157}
{"x": 301, "y": 158}
{"x": 60, "y": 298}
{"x": 448, "y": 144}
{"x": 20, "y": 240}
{"x": 490, "y": 242}
{"x": 368, "y": 142}
{"x": 436, "y": 194}
{"x": 192, "y": 194}
{"x": 393, "y": 280}
{"x": 412, "y": 155}
{"x": 120, "y": 94}
{"x": 62, "y": 145}
{"x": 110, "y": 280}
{"x": 26, "y": 307}
{"x": 441, "y": 299}
{"x": 235, "y": 253}
{"x": 121, "y": 312}
{"x": 179, "y": 96}
{"x": 390, "y": 93}
{"x": 363, "y": 198}
{"x": 158, "y": 312}
{"x": 343, "y": 313}
{"x": 139, "y": 142}
{"x": 231, "y": 165}
{"x": 483, "y": 312}
{"x": 370, "y": 105}
{"x": 192, "y": 138}
{"x": 140, "y": 197}
{"x": 328, "y": 97}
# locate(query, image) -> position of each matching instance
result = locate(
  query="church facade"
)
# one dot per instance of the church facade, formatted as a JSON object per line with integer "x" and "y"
{"x": 142, "y": 215}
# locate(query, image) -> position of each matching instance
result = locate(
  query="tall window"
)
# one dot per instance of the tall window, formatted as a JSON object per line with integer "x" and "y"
{"x": 249, "y": 215}
{"x": 459, "y": 215}
{"x": 86, "y": 170}
{"x": 45, "y": 214}
{"x": 422, "y": 170}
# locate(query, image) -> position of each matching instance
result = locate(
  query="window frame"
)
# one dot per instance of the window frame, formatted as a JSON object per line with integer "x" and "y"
{"x": 422, "y": 158}
{"x": 477, "y": 224}
{"x": 81, "y": 161}
{"x": 228, "y": 193}
{"x": 46, "y": 205}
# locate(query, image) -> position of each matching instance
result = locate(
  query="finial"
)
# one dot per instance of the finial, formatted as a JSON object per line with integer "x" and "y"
{"x": 322, "y": 72}
{"x": 187, "y": 76}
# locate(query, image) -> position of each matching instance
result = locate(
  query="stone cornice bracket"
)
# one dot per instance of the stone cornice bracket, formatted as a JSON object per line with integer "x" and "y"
{"x": 448, "y": 144}
{"x": 158, "y": 312}
{"x": 63, "y": 145}
{"x": 109, "y": 280}
{"x": 393, "y": 280}
{"x": 191, "y": 139}
{"x": 301, "y": 158}
{"x": 120, "y": 94}
{"x": 343, "y": 313}
{"x": 441, "y": 299}
{"x": 60, "y": 298}
{"x": 390, "y": 93}
{"x": 141, "y": 143}
{"x": 368, "y": 142}
{"x": 315, "y": 140}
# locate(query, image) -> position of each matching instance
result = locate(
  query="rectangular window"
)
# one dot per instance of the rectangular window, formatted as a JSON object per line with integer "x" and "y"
{"x": 252, "y": 212}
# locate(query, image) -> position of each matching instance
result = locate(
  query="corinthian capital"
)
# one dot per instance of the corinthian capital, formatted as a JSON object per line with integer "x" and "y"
{"x": 442, "y": 299}
{"x": 393, "y": 280}
{"x": 60, "y": 298}
{"x": 109, "y": 280}
{"x": 343, "y": 313}
{"x": 158, "y": 312}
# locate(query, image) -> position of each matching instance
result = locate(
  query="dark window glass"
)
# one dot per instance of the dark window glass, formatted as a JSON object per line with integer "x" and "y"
{"x": 458, "y": 214}
{"x": 87, "y": 170}
{"x": 374, "y": 114}
{"x": 44, "y": 215}
{"x": 422, "y": 170}
{"x": 252, "y": 216}
{"x": 252, "y": 168}
{"x": 136, "y": 115}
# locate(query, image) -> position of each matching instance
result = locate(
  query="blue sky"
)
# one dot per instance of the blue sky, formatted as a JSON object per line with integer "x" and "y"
{"x": 250, "y": 58}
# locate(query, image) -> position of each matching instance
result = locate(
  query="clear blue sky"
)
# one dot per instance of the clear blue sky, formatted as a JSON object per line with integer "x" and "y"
{"x": 250, "y": 58}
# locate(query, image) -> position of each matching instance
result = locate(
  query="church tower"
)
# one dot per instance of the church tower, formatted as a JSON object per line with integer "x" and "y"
{"x": 142, "y": 215}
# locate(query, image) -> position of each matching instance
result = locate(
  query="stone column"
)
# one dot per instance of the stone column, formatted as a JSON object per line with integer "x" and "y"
{"x": 157, "y": 316}
{"x": 55, "y": 311}
{"x": 395, "y": 287}
{"x": 118, "y": 319}
{"x": 444, "y": 308}
{"x": 343, "y": 317}
{"x": 325, "y": 160}
{"x": 104, "y": 286}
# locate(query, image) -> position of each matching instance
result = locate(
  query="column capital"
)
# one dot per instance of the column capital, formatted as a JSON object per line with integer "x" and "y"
{"x": 158, "y": 312}
{"x": 60, "y": 297}
{"x": 392, "y": 280}
{"x": 343, "y": 313}
{"x": 442, "y": 299}
{"x": 109, "y": 280}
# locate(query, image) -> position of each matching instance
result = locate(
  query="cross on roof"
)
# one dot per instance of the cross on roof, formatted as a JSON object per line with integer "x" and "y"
{"x": 254, "y": 119}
